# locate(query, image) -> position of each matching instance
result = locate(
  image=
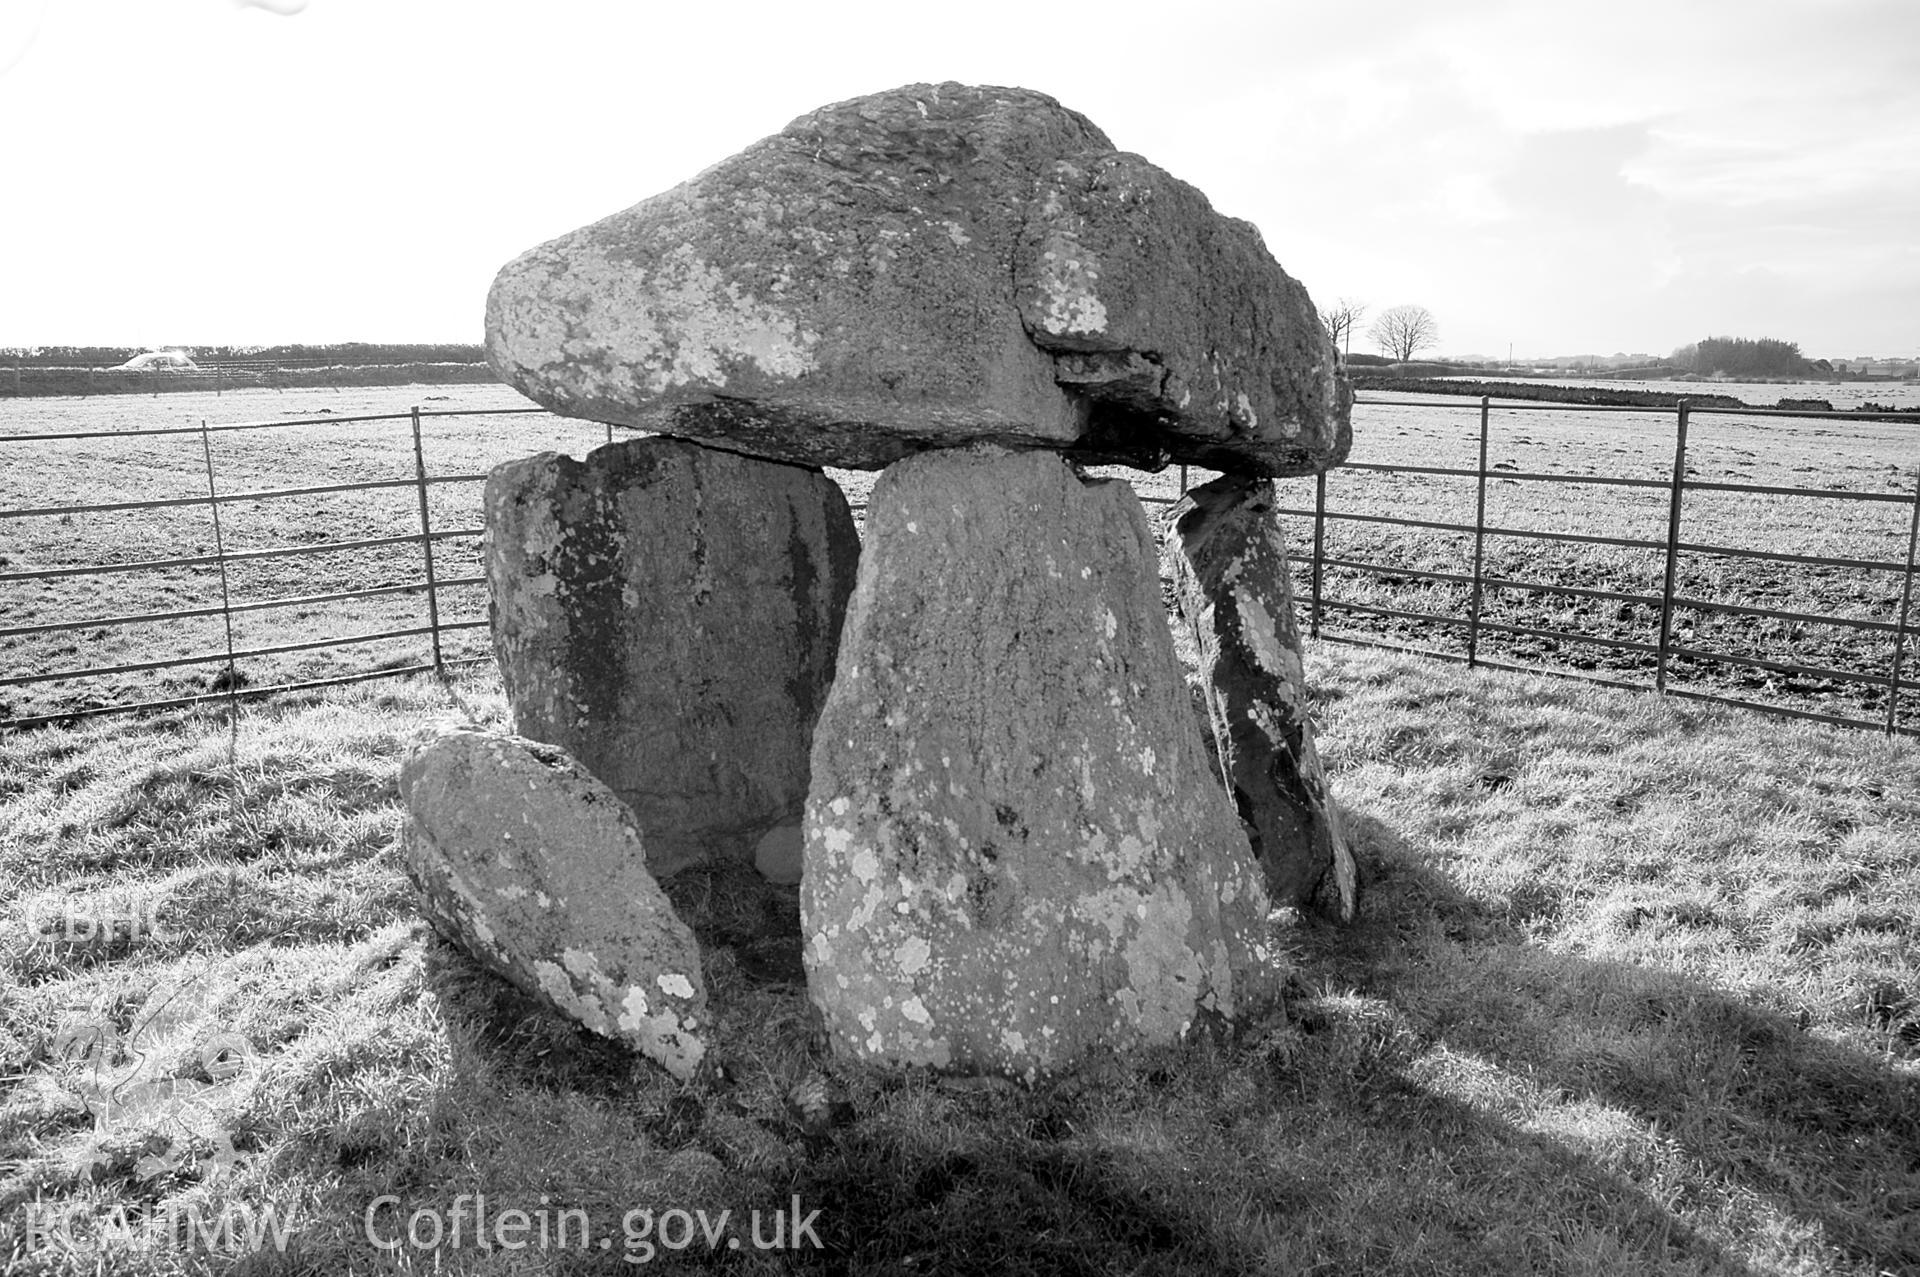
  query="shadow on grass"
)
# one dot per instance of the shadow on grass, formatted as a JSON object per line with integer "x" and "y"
{"x": 1783, "y": 1132}
{"x": 1324, "y": 1139}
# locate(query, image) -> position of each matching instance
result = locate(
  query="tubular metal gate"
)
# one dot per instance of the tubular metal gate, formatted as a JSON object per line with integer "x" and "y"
{"x": 1900, "y": 629}
{"x": 430, "y": 584}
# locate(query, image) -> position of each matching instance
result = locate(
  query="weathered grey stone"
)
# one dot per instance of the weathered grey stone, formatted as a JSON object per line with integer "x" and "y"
{"x": 1228, "y": 561}
{"x": 928, "y": 267}
{"x": 668, "y": 614}
{"x": 1013, "y": 850}
{"x": 778, "y": 854}
{"x": 538, "y": 871}
{"x": 1168, "y": 316}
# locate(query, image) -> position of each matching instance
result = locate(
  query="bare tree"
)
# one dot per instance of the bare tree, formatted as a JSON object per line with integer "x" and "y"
{"x": 1403, "y": 331}
{"x": 1340, "y": 320}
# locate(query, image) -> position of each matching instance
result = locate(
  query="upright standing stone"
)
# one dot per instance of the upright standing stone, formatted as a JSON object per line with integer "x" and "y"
{"x": 1013, "y": 849}
{"x": 1228, "y": 562}
{"x": 669, "y": 614}
{"x": 537, "y": 871}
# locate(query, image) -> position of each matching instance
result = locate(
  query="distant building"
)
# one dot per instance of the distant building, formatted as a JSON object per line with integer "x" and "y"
{"x": 153, "y": 359}
{"x": 1870, "y": 366}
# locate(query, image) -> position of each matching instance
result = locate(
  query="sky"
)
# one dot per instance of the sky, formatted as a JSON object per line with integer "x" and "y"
{"x": 1546, "y": 179}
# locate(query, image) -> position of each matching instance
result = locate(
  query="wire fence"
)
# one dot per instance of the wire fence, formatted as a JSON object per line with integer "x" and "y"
{"x": 1656, "y": 655}
{"x": 444, "y": 587}
{"x": 433, "y": 625}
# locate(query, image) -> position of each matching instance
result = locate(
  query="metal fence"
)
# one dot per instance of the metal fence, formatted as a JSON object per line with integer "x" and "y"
{"x": 1899, "y": 630}
{"x": 433, "y": 626}
{"x": 429, "y": 585}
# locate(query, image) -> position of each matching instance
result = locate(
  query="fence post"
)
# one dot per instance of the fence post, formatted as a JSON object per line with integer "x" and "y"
{"x": 1479, "y": 543}
{"x": 226, "y": 598}
{"x": 1183, "y": 479}
{"x": 1319, "y": 547}
{"x": 1901, "y": 629}
{"x": 1673, "y": 550}
{"x": 426, "y": 546}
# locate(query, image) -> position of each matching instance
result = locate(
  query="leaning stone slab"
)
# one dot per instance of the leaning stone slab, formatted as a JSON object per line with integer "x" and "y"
{"x": 537, "y": 870}
{"x": 1228, "y": 562}
{"x": 1013, "y": 849}
{"x": 927, "y": 267}
{"x": 669, "y": 614}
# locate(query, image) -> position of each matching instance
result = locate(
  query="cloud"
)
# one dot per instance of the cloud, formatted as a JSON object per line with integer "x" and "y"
{"x": 19, "y": 28}
{"x": 1567, "y": 177}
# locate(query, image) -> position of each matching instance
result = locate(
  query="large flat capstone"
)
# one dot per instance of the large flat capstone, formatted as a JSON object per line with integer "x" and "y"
{"x": 669, "y": 614}
{"x": 1228, "y": 562}
{"x": 1013, "y": 849}
{"x": 538, "y": 871}
{"x": 927, "y": 267}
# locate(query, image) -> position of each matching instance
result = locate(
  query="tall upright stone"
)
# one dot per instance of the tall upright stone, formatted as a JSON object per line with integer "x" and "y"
{"x": 1013, "y": 851}
{"x": 669, "y": 614}
{"x": 1228, "y": 561}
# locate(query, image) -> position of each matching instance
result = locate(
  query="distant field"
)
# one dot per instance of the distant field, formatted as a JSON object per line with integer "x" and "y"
{"x": 1851, "y": 455}
{"x": 1854, "y": 456}
{"x": 229, "y": 379}
{"x": 90, "y": 471}
{"x": 322, "y": 451}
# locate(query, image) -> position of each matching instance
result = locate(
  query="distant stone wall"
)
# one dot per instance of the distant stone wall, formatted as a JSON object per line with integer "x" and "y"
{"x": 115, "y": 381}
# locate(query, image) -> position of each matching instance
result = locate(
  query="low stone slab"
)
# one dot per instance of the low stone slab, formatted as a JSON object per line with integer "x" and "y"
{"x": 1013, "y": 849}
{"x": 537, "y": 870}
{"x": 669, "y": 614}
{"x": 1228, "y": 562}
{"x": 927, "y": 267}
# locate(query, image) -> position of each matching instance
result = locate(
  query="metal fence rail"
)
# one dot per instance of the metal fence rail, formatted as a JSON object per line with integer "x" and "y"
{"x": 428, "y": 585}
{"x": 431, "y": 582}
{"x": 1672, "y": 546}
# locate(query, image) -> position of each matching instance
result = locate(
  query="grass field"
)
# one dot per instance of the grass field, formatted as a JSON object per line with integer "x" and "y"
{"x": 320, "y": 451}
{"x": 90, "y": 471}
{"x": 1636, "y": 990}
{"x": 1637, "y": 987}
{"x": 1863, "y": 457}
{"x": 1850, "y": 455}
